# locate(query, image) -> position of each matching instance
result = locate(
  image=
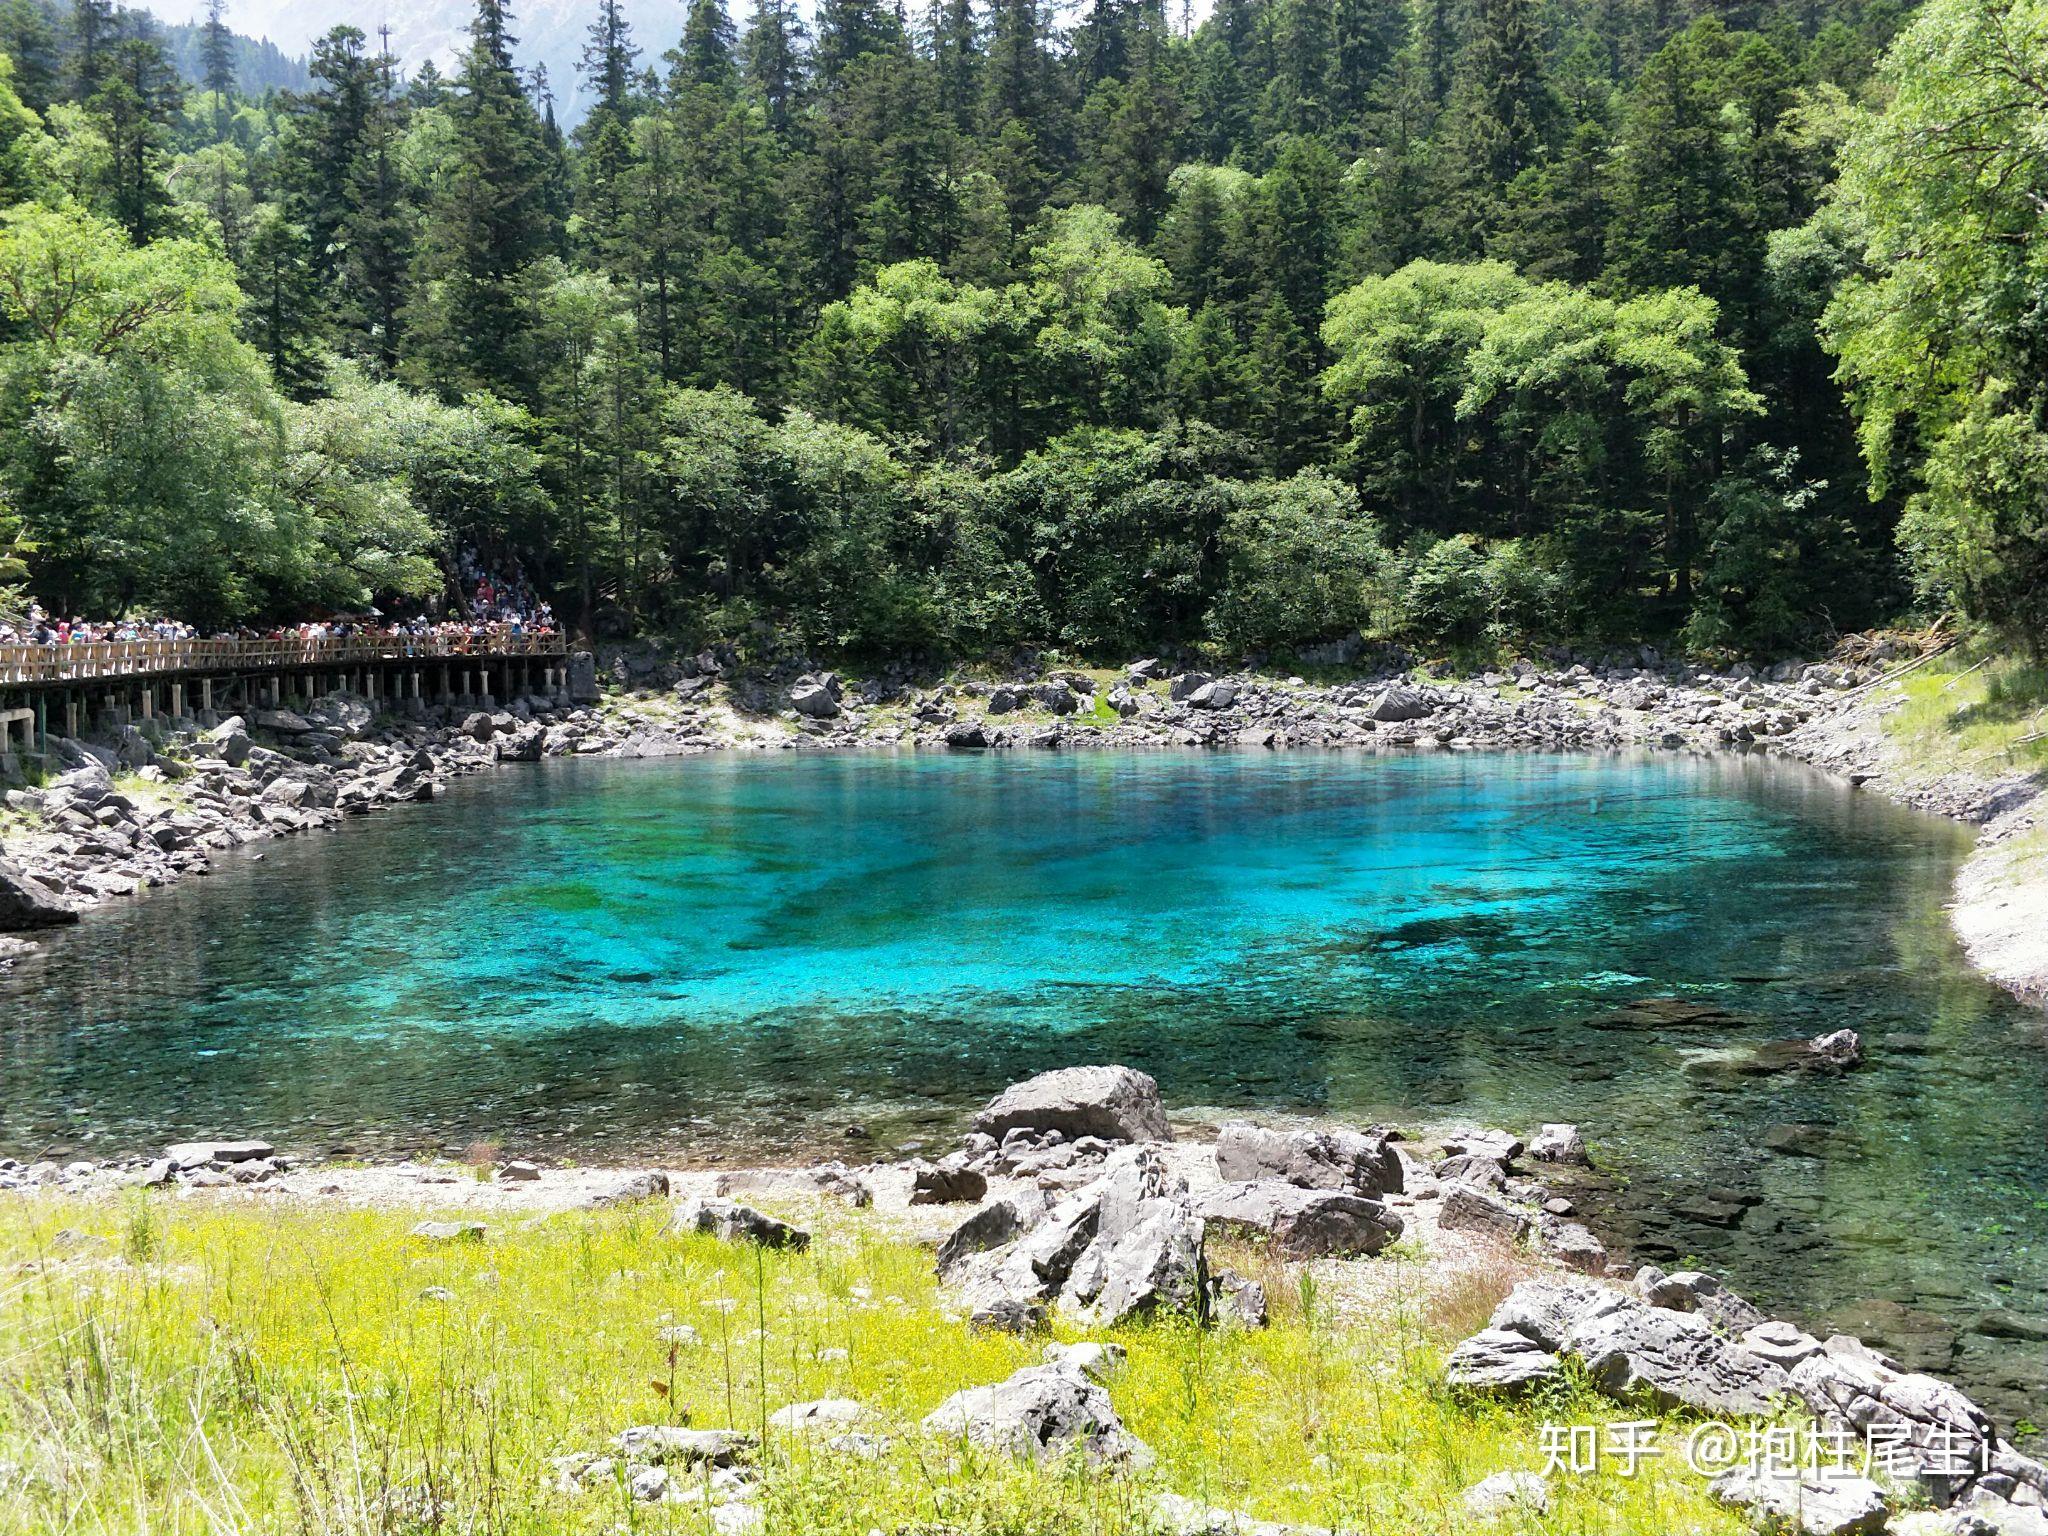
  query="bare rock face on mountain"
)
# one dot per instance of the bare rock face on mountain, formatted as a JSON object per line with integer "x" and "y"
{"x": 1114, "y": 1103}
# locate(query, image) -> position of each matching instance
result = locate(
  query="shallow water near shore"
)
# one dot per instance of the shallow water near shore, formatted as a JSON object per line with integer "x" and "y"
{"x": 754, "y": 955}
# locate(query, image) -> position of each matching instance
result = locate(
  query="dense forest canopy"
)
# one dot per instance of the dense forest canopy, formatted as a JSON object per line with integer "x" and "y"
{"x": 964, "y": 325}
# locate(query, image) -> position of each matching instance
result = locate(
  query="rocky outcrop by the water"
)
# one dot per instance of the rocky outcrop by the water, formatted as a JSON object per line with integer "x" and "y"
{"x": 1685, "y": 1342}
{"x": 1113, "y": 1103}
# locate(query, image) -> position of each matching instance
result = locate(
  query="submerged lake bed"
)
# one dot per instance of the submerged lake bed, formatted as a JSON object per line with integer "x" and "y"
{"x": 736, "y": 954}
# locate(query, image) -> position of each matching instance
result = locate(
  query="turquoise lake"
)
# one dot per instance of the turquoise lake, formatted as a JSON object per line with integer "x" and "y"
{"x": 847, "y": 954}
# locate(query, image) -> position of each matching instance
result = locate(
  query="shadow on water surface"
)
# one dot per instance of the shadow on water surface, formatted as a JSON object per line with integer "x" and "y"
{"x": 632, "y": 958}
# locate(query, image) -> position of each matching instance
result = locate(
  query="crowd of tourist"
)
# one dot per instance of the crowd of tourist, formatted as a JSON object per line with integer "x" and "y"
{"x": 39, "y": 627}
{"x": 495, "y": 598}
{"x": 487, "y": 604}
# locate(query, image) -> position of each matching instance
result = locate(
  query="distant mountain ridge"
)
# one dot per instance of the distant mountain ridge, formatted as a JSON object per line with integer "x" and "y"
{"x": 550, "y": 32}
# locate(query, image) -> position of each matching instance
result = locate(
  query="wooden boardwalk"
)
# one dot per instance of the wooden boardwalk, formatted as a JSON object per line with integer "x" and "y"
{"x": 109, "y": 684}
{"x": 114, "y": 660}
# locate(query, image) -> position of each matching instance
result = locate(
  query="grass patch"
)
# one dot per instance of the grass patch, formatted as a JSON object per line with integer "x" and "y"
{"x": 173, "y": 1368}
{"x": 1977, "y": 713}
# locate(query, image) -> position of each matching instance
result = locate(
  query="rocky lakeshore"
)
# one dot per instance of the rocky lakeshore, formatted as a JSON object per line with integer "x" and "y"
{"x": 148, "y": 807}
{"x": 1077, "y": 1201}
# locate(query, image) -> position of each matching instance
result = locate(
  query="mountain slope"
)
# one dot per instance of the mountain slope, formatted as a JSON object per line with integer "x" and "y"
{"x": 550, "y": 32}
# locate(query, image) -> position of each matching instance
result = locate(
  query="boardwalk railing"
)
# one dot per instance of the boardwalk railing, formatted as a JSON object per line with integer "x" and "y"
{"x": 84, "y": 661}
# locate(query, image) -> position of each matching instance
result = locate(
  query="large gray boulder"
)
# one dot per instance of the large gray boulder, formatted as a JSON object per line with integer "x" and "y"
{"x": 736, "y": 1223}
{"x": 25, "y": 902}
{"x": 950, "y": 1181}
{"x": 1546, "y": 1311}
{"x": 1573, "y": 1244}
{"x": 967, "y": 736}
{"x": 815, "y": 700}
{"x": 1134, "y": 1179}
{"x": 1688, "y": 1290}
{"x": 525, "y": 744}
{"x": 1313, "y": 1159}
{"x": 1678, "y": 1359}
{"x": 183, "y": 1155}
{"x": 1468, "y": 1208}
{"x": 229, "y": 741}
{"x": 583, "y": 687}
{"x": 1123, "y": 1245}
{"x": 1043, "y": 1410}
{"x": 1156, "y": 1266}
{"x": 1498, "y": 1362}
{"x": 342, "y": 713}
{"x": 1809, "y": 1503}
{"x": 995, "y": 1225}
{"x": 1558, "y": 1142}
{"x": 1300, "y": 1223}
{"x": 1484, "y": 1141}
{"x": 1396, "y": 703}
{"x": 1114, "y": 1103}
{"x": 1930, "y": 1430}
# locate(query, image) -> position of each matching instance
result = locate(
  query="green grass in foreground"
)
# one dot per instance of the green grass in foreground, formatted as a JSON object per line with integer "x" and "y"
{"x": 1975, "y": 713}
{"x": 186, "y": 1369}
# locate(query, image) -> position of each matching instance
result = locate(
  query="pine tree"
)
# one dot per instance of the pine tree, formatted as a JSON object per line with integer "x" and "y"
{"x": 1364, "y": 37}
{"x": 330, "y": 129}
{"x": 956, "y": 54}
{"x": 854, "y": 29}
{"x": 28, "y": 36}
{"x": 379, "y": 232}
{"x": 707, "y": 56}
{"x": 277, "y": 274}
{"x": 1143, "y": 141}
{"x": 136, "y": 104}
{"x": 1679, "y": 211}
{"x": 487, "y": 221}
{"x": 1227, "y": 85}
{"x": 1016, "y": 82}
{"x": 94, "y": 31}
{"x": 1498, "y": 123}
{"x": 1296, "y": 101}
{"x": 608, "y": 61}
{"x": 217, "y": 63}
{"x": 429, "y": 87}
{"x": 1288, "y": 419}
{"x": 773, "y": 55}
